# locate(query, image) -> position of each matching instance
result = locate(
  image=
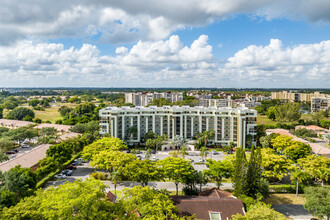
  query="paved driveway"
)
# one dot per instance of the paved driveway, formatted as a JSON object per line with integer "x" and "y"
{"x": 296, "y": 212}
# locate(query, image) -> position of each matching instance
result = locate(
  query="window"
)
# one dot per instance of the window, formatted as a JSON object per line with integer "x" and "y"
{"x": 215, "y": 215}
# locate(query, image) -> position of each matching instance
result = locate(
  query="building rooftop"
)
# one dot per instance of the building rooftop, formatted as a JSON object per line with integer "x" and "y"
{"x": 28, "y": 159}
{"x": 14, "y": 123}
{"x": 177, "y": 108}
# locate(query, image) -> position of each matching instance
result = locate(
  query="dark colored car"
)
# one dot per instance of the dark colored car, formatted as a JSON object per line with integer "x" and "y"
{"x": 138, "y": 152}
{"x": 11, "y": 152}
{"x": 71, "y": 167}
{"x": 153, "y": 151}
{"x": 76, "y": 163}
{"x": 15, "y": 150}
{"x": 128, "y": 151}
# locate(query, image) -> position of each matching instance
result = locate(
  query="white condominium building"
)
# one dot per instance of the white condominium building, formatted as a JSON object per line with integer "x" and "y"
{"x": 144, "y": 99}
{"x": 229, "y": 124}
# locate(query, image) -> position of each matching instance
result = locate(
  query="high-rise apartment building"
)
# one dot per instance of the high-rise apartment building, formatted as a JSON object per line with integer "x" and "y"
{"x": 229, "y": 124}
{"x": 320, "y": 103}
{"x": 144, "y": 99}
{"x": 213, "y": 102}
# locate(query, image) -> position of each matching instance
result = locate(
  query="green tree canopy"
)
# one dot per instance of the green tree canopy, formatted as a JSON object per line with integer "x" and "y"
{"x": 104, "y": 144}
{"x": 111, "y": 160}
{"x": 78, "y": 200}
{"x": 260, "y": 211}
{"x": 149, "y": 203}
{"x": 218, "y": 170}
{"x": 317, "y": 166}
{"x": 288, "y": 112}
{"x": 318, "y": 201}
{"x": 20, "y": 112}
{"x": 176, "y": 169}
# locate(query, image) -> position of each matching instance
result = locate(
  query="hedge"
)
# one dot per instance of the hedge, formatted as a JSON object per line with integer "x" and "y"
{"x": 284, "y": 188}
{"x": 50, "y": 176}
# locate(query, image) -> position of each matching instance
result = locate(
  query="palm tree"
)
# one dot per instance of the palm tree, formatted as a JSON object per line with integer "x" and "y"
{"x": 148, "y": 154}
{"x": 206, "y": 135}
{"x": 131, "y": 131}
{"x": 298, "y": 175}
{"x": 183, "y": 151}
{"x": 115, "y": 178}
{"x": 203, "y": 152}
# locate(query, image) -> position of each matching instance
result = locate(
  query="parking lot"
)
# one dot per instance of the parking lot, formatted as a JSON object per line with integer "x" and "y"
{"x": 83, "y": 171}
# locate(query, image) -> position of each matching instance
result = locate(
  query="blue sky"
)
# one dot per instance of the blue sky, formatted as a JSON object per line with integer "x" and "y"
{"x": 165, "y": 44}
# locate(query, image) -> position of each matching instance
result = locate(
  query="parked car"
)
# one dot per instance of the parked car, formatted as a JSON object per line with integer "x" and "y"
{"x": 76, "y": 163}
{"x": 201, "y": 160}
{"x": 154, "y": 159}
{"x": 138, "y": 152}
{"x": 71, "y": 167}
{"x": 67, "y": 172}
{"x": 10, "y": 152}
{"x": 128, "y": 151}
{"x": 59, "y": 176}
{"x": 15, "y": 150}
{"x": 138, "y": 157}
{"x": 215, "y": 152}
{"x": 25, "y": 146}
{"x": 191, "y": 161}
{"x": 153, "y": 152}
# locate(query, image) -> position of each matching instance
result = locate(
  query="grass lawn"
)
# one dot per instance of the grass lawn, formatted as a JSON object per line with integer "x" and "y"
{"x": 283, "y": 198}
{"x": 263, "y": 120}
{"x": 50, "y": 114}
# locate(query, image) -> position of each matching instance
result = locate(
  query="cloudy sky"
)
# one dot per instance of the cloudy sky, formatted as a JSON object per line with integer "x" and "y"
{"x": 165, "y": 43}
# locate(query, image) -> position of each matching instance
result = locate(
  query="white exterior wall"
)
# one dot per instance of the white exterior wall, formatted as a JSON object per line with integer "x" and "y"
{"x": 184, "y": 121}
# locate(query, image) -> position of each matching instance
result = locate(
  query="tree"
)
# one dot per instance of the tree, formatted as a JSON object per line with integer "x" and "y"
{"x": 183, "y": 151}
{"x": 265, "y": 141}
{"x": 260, "y": 211}
{"x": 111, "y": 160}
{"x": 47, "y": 131}
{"x": 299, "y": 175}
{"x": 104, "y": 144}
{"x": 218, "y": 170}
{"x": 91, "y": 127}
{"x": 202, "y": 178}
{"x": 9, "y": 104}
{"x": 326, "y": 137}
{"x": 6, "y": 143}
{"x": 130, "y": 133}
{"x": 7, "y": 198}
{"x": 239, "y": 171}
{"x": 3, "y": 157}
{"x": 253, "y": 174}
{"x": 203, "y": 152}
{"x": 271, "y": 113}
{"x": 148, "y": 203}
{"x": 60, "y": 152}
{"x": 205, "y": 136}
{"x": 287, "y": 112}
{"x": 21, "y": 134}
{"x": 1, "y": 112}
{"x": 20, "y": 181}
{"x": 115, "y": 178}
{"x": 176, "y": 169}
{"x": 63, "y": 110}
{"x": 37, "y": 120}
{"x": 20, "y": 112}
{"x": 86, "y": 200}
{"x": 316, "y": 166}
{"x": 33, "y": 102}
{"x": 141, "y": 171}
{"x": 318, "y": 201}
{"x": 274, "y": 166}
{"x": 281, "y": 142}
{"x": 297, "y": 150}
{"x": 160, "y": 102}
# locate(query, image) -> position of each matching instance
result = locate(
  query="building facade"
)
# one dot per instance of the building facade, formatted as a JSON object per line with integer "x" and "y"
{"x": 144, "y": 99}
{"x": 320, "y": 103}
{"x": 229, "y": 124}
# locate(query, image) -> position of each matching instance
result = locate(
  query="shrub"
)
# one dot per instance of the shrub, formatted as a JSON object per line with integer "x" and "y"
{"x": 283, "y": 188}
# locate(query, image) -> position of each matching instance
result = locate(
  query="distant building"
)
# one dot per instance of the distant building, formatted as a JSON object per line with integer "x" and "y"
{"x": 229, "y": 124}
{"x": 213, "y": 102}
{"x": 295, "y": 97}
{"x": 144, "y": 99}
{"x": 320, "y": 103}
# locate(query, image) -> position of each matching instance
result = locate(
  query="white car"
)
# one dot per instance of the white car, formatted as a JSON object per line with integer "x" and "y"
{"x": 154, "y": 159}
{"x": 200, "y": 160}
{"x": 25, "y": 146}
{"x": 59, "y": 176}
